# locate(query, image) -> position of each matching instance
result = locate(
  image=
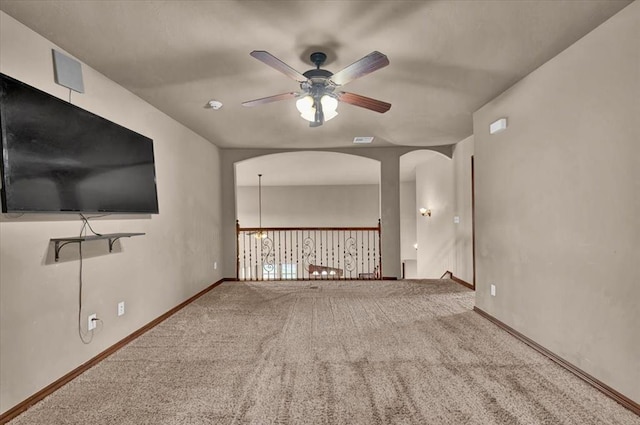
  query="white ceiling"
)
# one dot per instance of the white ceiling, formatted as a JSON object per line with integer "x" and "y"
{"x": 447, "y": 58}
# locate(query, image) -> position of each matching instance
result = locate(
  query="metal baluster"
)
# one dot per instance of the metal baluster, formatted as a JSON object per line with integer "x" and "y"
{"x": 361, "y": 250}
{"x": 278, "y": 270}
{"x": 320, "y": 253}
{"x": 333, "y": 254}
{"x": 249, "y": 272}
{"x": 369, "y": 234}
{"x": 368, "y": 254}
{"x": 244, "y": 254}
{"x": 343, "y": 241}
{"x": 339, "y": 251}
{"x": 290, "y": 254}
{"x": 350, "y": 271}
{"x": 326, "y": 249}
{"x": 260, "y": 266}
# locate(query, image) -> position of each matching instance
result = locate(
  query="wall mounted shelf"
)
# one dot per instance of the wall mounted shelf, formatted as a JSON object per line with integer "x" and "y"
{"x": 111, "y": 237}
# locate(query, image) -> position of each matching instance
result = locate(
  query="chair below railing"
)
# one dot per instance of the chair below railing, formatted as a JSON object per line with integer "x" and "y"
{"x": 308, "y": 253}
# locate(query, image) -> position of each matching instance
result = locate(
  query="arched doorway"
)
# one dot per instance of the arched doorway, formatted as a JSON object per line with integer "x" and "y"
{"x": 440, "y": 239}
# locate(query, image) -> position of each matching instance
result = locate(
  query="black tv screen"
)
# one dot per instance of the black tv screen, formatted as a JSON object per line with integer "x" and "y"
{"x": 57, "y": 157}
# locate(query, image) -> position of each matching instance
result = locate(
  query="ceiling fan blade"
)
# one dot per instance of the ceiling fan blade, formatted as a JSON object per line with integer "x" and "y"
{"x": 269, "y": 99}
{"x": 372, "y": 62}
{"x": 278, "y": 65}
{"x": 364, "y": 102}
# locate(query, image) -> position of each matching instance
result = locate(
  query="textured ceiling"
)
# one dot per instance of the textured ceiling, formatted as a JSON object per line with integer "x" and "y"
{"x": 447, "y": 58}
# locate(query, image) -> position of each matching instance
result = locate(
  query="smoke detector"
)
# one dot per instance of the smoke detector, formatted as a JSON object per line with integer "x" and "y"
{"x": 213, "y": 104}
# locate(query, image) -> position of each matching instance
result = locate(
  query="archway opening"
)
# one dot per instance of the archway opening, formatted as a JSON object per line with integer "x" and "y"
{"x": 308, "y": 215}
{"x": 427, "y": 209}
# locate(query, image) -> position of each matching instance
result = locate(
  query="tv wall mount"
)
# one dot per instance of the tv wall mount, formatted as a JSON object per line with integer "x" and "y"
{"x": 111, "y": 237}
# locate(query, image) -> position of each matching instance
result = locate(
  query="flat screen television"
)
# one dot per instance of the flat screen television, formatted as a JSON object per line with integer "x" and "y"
{"x": 57, "y": 157}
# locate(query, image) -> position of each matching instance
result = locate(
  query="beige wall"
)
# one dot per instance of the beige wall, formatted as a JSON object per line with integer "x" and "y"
{"x": 310, "y": 206}
{"x": 558, "y": 204}
{"x": 39, "y": 339}
{"x": 435, "y": 191}
{"x": 408, "y": 213}
{"x": 463, "y": 248}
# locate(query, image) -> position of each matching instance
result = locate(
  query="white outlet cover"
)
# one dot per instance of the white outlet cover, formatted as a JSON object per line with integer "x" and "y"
{"x": 92, "y": 322}
{"x": 493, "y": 290}
{"x": 456, "y": 219}
{"x": 215, "y": 265}
{"x": 120, "y": 308}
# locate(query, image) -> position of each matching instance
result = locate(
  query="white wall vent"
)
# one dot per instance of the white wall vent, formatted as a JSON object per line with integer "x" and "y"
{"x": 362, "y": 139}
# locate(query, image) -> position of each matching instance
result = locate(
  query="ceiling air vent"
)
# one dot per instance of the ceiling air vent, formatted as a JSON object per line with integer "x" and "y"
{"x": 362, "y": 140}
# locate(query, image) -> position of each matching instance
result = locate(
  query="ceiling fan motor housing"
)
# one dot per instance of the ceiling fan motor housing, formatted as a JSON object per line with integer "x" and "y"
{"x": 318, "y": 83}
{"x": 318, "y": 73}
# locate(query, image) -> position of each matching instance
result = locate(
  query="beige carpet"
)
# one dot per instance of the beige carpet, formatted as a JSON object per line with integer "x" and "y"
{"x": 328, "y": 353}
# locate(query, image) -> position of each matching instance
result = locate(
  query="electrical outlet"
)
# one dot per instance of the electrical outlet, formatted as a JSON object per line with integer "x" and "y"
{"x": 120, "y": 308}
{"x": 92, "y": 322}
{"x": 215, "y": 265}
{"x": 493, "y": 290}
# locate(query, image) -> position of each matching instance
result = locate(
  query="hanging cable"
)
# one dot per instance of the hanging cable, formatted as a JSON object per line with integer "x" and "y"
{"x": 80, "y": 333}
{"x": 86, "y": 223}
{"x": 83, "y": 231}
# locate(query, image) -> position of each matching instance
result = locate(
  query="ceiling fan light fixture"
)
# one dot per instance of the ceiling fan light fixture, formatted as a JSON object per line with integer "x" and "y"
{"x": 329, "y": 104}
{"x": 330, "y": 115}
{"x": 305, "y": 105}
{"x": 309, "y": 115}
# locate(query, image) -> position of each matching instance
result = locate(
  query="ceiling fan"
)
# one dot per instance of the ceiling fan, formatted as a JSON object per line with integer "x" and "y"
{"x": 319, "y": 89}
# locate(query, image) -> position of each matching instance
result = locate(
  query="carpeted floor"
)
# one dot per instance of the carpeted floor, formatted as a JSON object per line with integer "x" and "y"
{"x": 328, "y": 353}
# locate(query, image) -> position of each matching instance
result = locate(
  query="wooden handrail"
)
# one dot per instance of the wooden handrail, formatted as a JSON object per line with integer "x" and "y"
{"x": 257, "y": 229}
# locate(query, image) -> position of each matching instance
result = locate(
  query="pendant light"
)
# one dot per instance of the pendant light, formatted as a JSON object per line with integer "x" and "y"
{"x": 260, "y": 234}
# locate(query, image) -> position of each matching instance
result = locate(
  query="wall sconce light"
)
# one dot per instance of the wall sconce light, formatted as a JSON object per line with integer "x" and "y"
{"x": 425, "y": 212}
